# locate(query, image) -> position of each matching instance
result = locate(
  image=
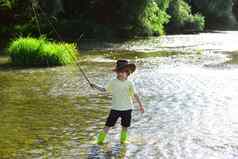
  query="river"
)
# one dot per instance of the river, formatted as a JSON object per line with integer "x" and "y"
{"x": 188, "y": 84}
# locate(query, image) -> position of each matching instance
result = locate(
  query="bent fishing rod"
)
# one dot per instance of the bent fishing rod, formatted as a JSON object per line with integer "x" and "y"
{"x": 61, "y": 39}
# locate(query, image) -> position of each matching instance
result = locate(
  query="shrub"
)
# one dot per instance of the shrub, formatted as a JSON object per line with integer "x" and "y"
{"x": 40, "y": 52}
{"x": 195, "y": 23}
{"x": 182, "y": 19}
{"x": 154, "y": 18}
{"x": 218, "y": 13}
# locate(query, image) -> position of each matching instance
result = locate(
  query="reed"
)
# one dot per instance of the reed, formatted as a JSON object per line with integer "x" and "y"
{"x": 41, "y": 52}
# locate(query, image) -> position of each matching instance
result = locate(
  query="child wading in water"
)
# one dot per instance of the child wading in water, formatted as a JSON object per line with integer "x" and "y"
{"x": 123, "y": 92}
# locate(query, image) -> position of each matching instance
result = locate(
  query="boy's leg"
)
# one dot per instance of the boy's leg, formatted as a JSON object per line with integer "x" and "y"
{"x": 124, "y": 135}
{"x": 102, "y": 135}
{"x": 125, "y": 122}
{"x": 111, "y": 120}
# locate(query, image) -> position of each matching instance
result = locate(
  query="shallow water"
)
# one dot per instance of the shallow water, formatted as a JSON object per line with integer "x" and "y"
{"x": 190, "y": 101}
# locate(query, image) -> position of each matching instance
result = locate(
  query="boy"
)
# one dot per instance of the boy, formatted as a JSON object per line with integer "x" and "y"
{"x": 123, "y": 92}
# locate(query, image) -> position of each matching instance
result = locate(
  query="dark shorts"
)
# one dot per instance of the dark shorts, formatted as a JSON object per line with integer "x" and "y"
{"x": 125, "y": 116}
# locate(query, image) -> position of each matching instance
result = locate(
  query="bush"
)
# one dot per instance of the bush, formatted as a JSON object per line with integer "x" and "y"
{"x": 40, "y": 52}
{"x": 153, "y": 18}
{"x": 218, "y": 13}
{"x": 182, "y": 19}
{"x": 195, "y": 23}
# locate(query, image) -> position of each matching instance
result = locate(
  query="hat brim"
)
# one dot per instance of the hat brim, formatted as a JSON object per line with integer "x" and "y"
{"x": 131, "y": 67}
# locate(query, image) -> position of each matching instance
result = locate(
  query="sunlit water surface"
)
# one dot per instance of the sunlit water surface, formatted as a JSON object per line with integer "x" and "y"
{"x": 190, "y": 101}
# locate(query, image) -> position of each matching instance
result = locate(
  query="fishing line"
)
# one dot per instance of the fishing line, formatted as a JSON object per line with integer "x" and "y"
{"x": 37, "y": 21}
{"x": 61, "y": 39}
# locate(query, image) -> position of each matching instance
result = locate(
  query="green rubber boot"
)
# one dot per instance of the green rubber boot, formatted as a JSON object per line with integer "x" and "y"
{"x": 101, "y": 137}
{"x": 123, "y": 137}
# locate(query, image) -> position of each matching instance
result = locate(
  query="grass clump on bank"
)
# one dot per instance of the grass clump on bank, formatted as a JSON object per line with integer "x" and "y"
{"x": 41, "y": 52}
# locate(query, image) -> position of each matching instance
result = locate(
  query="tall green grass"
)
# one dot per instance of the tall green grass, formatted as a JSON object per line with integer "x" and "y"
{"x": 41, "y": 52}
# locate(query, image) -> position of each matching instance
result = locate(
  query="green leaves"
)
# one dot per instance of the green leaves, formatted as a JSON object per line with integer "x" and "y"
{"x": 7, "y": 3}
{"x": 218, "y": 13}
{"x": 119, "y": 18}
{"x": 182, "y": 18}
{"x": 153, "y": 18}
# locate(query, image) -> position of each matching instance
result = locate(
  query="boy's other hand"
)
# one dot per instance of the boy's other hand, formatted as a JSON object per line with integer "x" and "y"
{"x": 142, "y": 110}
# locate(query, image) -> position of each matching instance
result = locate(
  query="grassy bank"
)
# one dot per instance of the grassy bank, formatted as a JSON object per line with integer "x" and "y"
{"x": 41, "y": 52}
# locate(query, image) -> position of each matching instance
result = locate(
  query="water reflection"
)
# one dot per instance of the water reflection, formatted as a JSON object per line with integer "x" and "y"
{"x": 107, "y": 151}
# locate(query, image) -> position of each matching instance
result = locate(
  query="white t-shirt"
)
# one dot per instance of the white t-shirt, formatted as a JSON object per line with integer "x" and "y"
{"x": 122, "y": 94}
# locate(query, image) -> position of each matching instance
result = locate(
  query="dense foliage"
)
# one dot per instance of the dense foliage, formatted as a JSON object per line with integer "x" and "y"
{"x": 154, "y": 17}
{"x": 182, "y": 18}
{"x": 218, "y": 13}
{"x": 40, "y": 52}
{"x": 118, "y": 18}
{"x": 235, "y": 9}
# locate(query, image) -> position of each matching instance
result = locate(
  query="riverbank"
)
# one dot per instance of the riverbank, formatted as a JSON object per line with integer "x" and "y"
{"x": 221, "y": 44}
{"x": 215, "y": 43}
{"x": 209, "y": 41}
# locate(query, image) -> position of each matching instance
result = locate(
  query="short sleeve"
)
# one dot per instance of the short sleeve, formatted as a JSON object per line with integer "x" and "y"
{"x": 132, "y": 89}
{"x": 108, "y": 86}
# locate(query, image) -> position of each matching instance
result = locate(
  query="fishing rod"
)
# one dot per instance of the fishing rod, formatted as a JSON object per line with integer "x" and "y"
{"x": 81, "y": 70}
{"x": 61, "y": 39}
{"x": 84, "y": 75}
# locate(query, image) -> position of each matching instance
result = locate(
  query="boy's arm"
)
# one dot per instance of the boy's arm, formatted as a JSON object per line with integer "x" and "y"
{"x": 139, "y": 102}
{"x": 98, "y": 87}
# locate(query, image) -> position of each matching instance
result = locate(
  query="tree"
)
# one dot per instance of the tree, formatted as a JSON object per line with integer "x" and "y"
{"x": 182, "y": 19}
{"x": 235, "y": 9}
{"x": 218, "y": 13}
